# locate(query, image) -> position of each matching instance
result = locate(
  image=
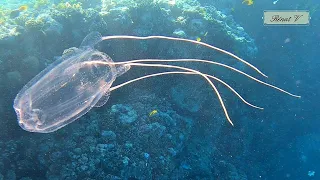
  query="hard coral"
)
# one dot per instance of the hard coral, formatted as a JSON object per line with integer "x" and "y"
{"x": 125, "y": 114}
{"x": 41, "y": 4}
{"x": 68, "y": 5}
{"x": 21, "y": 20}
{"x": 87, "y": 3}
{"x": 34, "y": 25}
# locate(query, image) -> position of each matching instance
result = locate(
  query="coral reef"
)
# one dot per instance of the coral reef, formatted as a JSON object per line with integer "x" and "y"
{"x": 191, "y": 100}
{"x": 125, "y": 114}
{"x": 105, "y": 149}
{"x": 120, "y": 140}
{"x": 34, "y": 25}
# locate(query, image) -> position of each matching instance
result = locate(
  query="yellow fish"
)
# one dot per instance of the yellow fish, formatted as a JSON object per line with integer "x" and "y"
{"x": 15, "y": 13}
{"x": 198, "y": 39}
{"x": 23, "y": 8}
{"x": 153, "y": 113}
{"x": 248, "y": 2}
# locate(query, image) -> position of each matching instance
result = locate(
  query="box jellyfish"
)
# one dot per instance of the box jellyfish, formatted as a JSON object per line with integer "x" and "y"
{"x": 67, "y": 89}
{"x": 83, "y": 78}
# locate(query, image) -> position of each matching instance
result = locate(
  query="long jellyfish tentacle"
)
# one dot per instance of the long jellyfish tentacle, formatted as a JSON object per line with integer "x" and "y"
{"x": 211, "y": 62}
{"x": 175, "y": 67}
{"x": 191, "y": 70}
{"x": 186, "y": 40}
{"x": 184, "y": 72}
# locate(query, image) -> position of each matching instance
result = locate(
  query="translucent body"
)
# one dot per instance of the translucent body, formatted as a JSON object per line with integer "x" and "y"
{"x": 66, "y": 90}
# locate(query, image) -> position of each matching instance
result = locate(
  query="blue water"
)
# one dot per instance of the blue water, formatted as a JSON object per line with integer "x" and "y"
{"x": 171, "y": 126}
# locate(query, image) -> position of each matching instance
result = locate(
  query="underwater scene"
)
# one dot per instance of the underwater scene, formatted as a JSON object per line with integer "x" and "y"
{"x": 159, "y": 89}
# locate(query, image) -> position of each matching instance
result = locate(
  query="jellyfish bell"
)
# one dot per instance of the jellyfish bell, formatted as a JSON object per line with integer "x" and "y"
{"x": 67, "y": 89}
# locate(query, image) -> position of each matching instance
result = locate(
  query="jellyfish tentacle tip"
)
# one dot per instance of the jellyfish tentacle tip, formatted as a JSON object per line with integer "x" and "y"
{"x": 231, "y": 122}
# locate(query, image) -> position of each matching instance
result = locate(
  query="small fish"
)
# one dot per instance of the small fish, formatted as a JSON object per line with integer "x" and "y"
{"x": 23, "y": 8}
{"x": 153, "y": 113}
{"x": 275, "y": 2}
{"x": 287, "y": 40}
{"x": 15, "y": 13}
{"x": 198, "y": 39}
{"x": 205, "y": 34}
{"x": 311, "y": 173}
{"x": 248, "y": 2}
